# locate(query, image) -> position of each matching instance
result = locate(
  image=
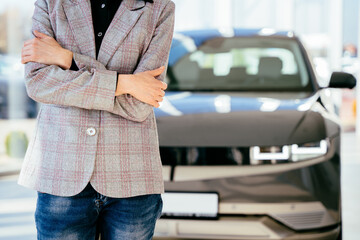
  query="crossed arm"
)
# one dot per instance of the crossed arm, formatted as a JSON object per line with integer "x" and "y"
{"x": 49, "y": 80}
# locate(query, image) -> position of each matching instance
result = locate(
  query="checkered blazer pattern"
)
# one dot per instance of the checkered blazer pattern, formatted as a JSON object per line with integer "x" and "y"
{"x": 122, "y": 158}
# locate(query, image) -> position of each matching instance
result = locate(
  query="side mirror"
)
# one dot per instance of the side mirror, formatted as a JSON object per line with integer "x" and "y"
{"x": 342, "y": 80}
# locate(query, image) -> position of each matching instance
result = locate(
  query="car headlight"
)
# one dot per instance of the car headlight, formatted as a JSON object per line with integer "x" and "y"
{"x": 308, "y": 150}
{"x": 288, "y": 153}
{"x": 270, "y": 153}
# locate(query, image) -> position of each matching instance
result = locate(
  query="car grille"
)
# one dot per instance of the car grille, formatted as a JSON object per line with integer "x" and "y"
{"x": 200, "y": 156}
{"x": 210, "y": 156}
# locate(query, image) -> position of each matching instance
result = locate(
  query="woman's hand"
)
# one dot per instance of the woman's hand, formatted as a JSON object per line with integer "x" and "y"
{"x": 46, "y": 50}
{"x": 143, "y": 86}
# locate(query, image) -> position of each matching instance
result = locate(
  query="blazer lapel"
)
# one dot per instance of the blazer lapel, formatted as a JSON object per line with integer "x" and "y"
{"x": 123, "y": 21}
{"x": 78, "y": 13}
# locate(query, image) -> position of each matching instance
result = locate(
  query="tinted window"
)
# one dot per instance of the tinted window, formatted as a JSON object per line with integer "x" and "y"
{"x": 242, "y": 64}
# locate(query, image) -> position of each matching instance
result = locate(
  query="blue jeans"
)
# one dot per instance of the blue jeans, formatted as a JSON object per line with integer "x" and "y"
{"x": 88, "y": 214}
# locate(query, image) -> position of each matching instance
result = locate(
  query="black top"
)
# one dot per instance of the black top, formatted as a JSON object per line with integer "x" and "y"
{"x": 103, "y": 11}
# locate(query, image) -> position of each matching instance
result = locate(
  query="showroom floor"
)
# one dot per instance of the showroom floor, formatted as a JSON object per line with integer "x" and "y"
{"x": 350, "y": 186}
{"x": 17, "y": 204}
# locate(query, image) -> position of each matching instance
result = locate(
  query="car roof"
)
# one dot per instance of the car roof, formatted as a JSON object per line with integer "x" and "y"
{"x": 187, "y": 41}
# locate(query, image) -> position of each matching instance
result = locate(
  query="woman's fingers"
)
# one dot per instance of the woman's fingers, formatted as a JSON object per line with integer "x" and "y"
{"x": 156, "y": 72}
{"x": 40, "y": 35}
{"x": 162, "y": 93}
{"x": 164, "y": 86}
{"x": 26, "y": 50}
{"x": 43, "y": 49}
{"x": 27, "y": 42}
{"x": 158, "y": 84}
{"x": 31, "y": 45}
{"x": 152, "y": 101}
{"x": 156, "y": 104}
{"x": 26, "y": 59}
{"x": 33, "y": 42}
{"x": 26, "y": 55}
{"x": 159, "y": 99}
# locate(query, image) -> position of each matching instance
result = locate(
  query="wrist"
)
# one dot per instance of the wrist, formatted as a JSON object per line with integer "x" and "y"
{"x": 66, "y": 59}
{"x": 123, "y": 84}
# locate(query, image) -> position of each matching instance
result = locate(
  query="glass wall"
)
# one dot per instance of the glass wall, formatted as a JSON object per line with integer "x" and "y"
{"x": 17, "y": 110}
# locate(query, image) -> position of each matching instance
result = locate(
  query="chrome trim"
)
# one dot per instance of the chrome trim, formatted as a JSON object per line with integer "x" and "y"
{"x": 196, "y": 173}
{"x": 269, "y": 208}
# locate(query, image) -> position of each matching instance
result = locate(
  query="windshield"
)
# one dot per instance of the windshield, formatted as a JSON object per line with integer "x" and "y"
{"x": 246, "y": 63}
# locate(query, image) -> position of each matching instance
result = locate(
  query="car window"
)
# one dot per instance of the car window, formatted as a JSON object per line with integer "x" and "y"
{"x": 242, "y": 64}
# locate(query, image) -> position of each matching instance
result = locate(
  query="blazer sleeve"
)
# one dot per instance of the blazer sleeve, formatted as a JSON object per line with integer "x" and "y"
{"x": 90, "y": 87}
{"x": 156, "y": 55}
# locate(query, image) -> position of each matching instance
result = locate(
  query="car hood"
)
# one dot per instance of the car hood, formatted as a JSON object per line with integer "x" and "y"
{"x": 238, "y": 119}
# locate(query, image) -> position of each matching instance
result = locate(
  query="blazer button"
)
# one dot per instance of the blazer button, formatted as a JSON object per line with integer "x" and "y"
{"x": 91, "y": 131}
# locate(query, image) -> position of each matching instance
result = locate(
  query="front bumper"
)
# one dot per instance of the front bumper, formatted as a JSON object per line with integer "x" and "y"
{"x": 284, "y": 201}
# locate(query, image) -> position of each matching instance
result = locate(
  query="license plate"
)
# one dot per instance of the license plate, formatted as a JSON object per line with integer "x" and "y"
{"x": 190, "y": 205}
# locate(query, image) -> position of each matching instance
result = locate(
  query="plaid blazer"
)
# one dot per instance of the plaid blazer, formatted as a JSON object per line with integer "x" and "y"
{"x": 84, "y": 133}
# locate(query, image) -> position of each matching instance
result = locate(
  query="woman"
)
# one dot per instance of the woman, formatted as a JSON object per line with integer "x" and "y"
{"x": 94, "y": 158}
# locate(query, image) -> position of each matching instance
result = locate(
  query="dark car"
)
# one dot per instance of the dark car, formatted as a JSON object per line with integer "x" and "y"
{"x": 249, "y": 141}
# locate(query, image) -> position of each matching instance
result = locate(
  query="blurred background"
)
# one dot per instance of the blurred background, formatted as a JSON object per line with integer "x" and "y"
{"x": 329, "y": 30}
